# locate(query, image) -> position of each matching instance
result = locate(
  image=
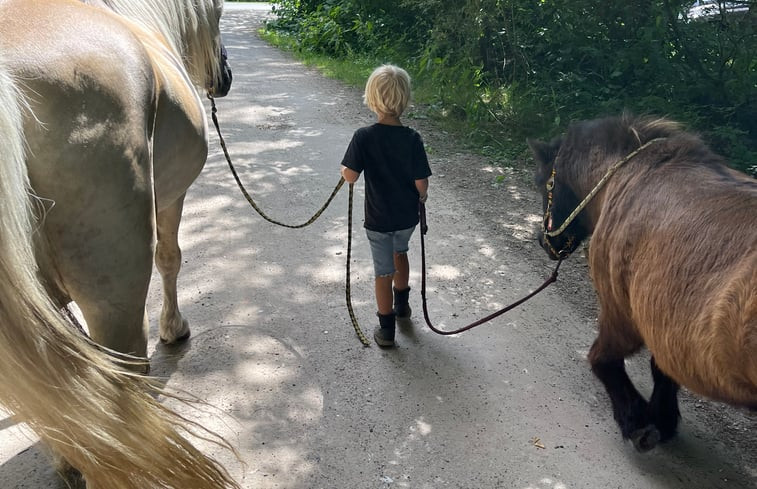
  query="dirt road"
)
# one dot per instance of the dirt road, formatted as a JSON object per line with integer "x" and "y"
{"x": 511, "y": 404}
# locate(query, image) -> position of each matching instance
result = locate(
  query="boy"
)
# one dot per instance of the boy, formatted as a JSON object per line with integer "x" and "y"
{"x": 396, "y": 178}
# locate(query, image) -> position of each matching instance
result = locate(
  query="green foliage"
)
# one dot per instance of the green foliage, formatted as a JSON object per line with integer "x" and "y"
{"x": 353, "y": 71}
{"x": 510, "y": 69}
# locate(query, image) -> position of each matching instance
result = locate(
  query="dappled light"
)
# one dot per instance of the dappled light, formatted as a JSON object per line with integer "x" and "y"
{"x": 444, "y": 272}
{"x": 509, "y": 404}
{"x": 547, "y": 483}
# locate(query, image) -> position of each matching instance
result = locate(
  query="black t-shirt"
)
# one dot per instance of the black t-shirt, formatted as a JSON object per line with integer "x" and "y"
{"x": 393, "y": 158}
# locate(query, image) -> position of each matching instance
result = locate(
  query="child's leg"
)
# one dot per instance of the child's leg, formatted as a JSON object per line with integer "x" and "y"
{"x": 384, "y": 295}
{"x": 400, "y": 247}
{"x": 383, "y": 268}
{"x": 402, "y": 273}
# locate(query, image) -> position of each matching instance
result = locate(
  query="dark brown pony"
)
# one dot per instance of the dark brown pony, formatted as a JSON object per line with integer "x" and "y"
{"x": 673, "y": 257}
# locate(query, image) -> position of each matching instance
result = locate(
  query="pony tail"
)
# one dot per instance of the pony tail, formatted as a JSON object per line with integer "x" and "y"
{"x": 101, "y": 419}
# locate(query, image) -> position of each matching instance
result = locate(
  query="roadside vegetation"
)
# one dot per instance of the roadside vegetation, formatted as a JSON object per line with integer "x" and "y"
{"x": 498, "y": 71}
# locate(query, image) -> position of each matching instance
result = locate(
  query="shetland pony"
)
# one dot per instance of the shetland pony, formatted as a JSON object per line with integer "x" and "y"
{"x": 673, "y": 258}
{"x": 101, "y": 133}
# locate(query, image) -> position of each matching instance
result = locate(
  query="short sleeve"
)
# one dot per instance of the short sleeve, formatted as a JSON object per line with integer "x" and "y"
{"x": 352, "y": 157}
{"x": 421, "y": 168}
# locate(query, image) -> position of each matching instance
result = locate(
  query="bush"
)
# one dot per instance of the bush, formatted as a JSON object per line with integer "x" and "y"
{"x": 526, "y": 68}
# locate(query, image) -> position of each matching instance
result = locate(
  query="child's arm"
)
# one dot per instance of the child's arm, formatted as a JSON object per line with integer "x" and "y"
{"x": 422, "y": 186}
{"x": 349, "y": 175}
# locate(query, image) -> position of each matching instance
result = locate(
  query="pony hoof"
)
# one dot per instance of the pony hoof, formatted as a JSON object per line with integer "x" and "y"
{"x": 646, "y": 438}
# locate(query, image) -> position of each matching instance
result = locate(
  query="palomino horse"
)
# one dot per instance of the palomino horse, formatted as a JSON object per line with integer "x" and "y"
{"x": 673, "y": 258}
{"x": 116, "y": 133}
{"x": 101, "y": 133}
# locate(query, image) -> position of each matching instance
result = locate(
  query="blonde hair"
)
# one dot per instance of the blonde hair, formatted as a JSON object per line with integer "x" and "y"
{"x": 387, "y": 91}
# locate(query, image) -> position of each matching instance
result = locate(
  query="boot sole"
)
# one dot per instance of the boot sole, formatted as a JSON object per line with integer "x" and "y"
{"x": 380, "y": 341}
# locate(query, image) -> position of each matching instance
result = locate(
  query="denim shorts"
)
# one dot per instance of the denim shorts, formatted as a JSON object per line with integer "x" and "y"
{"x": 384, "y": 246}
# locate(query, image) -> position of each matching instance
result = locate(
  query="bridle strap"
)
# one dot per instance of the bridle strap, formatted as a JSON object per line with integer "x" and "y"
{"x": 596, "y": 189}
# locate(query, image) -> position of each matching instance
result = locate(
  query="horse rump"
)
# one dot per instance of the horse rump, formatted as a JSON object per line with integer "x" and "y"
{"x": 100, "y": 418}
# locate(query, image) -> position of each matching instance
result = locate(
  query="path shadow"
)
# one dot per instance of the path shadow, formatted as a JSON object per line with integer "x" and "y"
{"x": 32, "y": 467}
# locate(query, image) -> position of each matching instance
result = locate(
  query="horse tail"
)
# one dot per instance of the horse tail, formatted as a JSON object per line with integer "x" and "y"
{"x": 102, "y": 419}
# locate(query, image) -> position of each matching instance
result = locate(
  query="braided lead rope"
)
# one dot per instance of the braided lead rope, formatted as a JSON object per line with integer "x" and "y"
{"x": 353, "y": 318}
{"x": 347, "y": 288}
{"x": 247, "y": 195}
{"x": 598, "y": 187}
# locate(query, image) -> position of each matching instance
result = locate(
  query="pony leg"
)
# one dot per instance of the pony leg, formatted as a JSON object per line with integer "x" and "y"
{"x": 630, "y": 409}
{"x": 173, "y": 327}
{"x": 663, "y": 405}
{"x": 108, "y": 275}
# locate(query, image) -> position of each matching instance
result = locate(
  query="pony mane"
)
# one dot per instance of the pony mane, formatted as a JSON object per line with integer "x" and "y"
{"x": 590, "y": 147}
{"x": 608, "y": 139}
{"x": 681, "y": 146}
{"x": 646, "y": 128}
{"x": 189, "y": 26}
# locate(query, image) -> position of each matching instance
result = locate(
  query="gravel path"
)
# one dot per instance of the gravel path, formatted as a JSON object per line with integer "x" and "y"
{"x": 511, "y": 404}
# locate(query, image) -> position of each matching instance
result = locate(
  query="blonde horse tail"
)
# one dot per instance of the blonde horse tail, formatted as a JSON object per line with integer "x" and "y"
{"x": 100, "y": 418}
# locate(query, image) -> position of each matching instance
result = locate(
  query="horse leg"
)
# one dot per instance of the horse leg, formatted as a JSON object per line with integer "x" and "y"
{"x": 108, "y": 275}
{"x": 630, "y": 409}
{"x": 121, "y": 326}
{"x": 663, "y": 405}
{"x": 70, "y": 475}
{"x": 115, "y": 314}
{"x": 173, "y": 327}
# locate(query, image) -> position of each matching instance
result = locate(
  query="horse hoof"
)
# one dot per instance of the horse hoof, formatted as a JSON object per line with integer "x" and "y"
{"x": 181, "y": 336}
{"x": 646, "y": 438}
{"x": 177, "y": 340}
{"x": 72, "y": 478}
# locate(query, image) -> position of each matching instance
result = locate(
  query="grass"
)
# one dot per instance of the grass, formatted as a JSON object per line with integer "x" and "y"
{"x": 485, "y": 138}
{"x": 353, "y": 72}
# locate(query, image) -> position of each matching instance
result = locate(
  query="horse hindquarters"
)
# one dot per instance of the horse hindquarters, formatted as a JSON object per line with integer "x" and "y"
{"x": 114, "y": 432}
{"x": 89, "y": 142}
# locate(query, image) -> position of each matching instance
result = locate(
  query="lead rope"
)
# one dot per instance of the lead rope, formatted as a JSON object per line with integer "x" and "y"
{"x": 348, "y": 294}
{"x": 247, "y": 195}
{"x": 424, "y": 230}
{"x": 353, "y": 318}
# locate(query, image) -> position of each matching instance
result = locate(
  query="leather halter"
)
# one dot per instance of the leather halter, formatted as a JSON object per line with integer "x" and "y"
{"x": 547, "y": 225}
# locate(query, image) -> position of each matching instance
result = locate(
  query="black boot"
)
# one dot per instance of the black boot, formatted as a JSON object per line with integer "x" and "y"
{"x": 384, "y": 332}
{"x": 401, "y": 307}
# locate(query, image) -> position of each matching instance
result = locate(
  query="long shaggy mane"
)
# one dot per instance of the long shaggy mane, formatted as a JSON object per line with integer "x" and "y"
{"x": 189, "y": 26}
